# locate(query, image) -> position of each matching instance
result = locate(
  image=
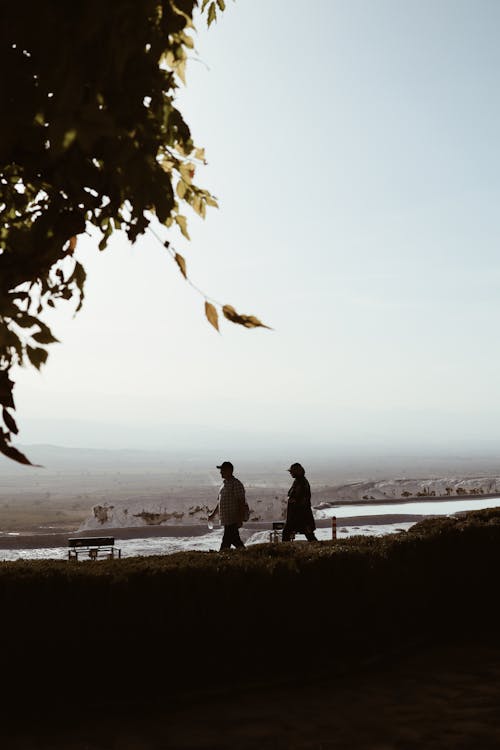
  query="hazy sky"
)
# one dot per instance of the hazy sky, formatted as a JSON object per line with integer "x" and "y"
{"x": 353, "y": 145}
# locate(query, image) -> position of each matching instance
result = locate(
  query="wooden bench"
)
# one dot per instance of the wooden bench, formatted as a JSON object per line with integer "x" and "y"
{"x": 91, "y": 547}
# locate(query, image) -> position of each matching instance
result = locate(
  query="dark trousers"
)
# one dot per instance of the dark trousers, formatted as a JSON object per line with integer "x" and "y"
{"x": 287, "y": 534}
{"x": 231, "y": 536}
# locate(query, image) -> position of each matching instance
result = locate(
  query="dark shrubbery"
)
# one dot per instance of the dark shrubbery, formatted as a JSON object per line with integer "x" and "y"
{"x": 194, "y": 619}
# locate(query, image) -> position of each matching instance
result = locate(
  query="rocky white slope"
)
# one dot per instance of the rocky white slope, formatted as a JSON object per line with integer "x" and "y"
{"x": 269, "y": 504}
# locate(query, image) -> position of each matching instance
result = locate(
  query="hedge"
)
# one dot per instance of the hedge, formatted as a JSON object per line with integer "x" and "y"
{"x": 195, "y": 620}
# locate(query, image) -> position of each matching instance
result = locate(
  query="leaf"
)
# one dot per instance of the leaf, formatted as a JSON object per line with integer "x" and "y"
{"x": 79, "y": 275}
{"x": 181, "y": 263}
{"x": 181, "y": 222}
{"x": 45, "y": 335}
{"x": 6, "y": 388}
{"x": 181, "y": 189}
{"x": 98, "y": 160}
{"x": 18, "y": 295}
{"x": 212, "y": 14}
{"x": 212, "y": 315}
{"x": 167, "y": 165}
{"x": 199, "y": 206}
{"x": 9, "y": 421}
{"x": 211, "y": 201}
{"x": 180, "y": 147}
{"x": 188, "y": 40}
{"x": 187, "y": 170}
{"x": 14, "y": 454}
{"x": 68, "y": 139}
{"x": 26, "y": 321}
{"x": 37, "y": 356}
{"x": 248, "y": 321}
{"x": 180, "y": 69}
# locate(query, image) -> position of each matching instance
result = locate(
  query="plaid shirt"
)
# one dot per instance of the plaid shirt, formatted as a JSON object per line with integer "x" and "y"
{"x": 231, "y": 501}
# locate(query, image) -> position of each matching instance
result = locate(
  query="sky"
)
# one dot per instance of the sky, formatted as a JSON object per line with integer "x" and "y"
{"x": 353, "y": 146}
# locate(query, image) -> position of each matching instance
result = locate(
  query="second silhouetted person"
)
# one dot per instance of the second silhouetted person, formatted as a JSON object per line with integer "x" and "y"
{"x": 299, "y": 516}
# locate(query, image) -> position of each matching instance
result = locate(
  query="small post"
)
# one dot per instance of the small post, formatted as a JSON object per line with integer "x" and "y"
{"x": 334, "y": 528}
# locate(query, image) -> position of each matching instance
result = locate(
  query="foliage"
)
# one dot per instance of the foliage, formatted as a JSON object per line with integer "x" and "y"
{"x": 175, "y": 618}
{"x": 89, "y": 135}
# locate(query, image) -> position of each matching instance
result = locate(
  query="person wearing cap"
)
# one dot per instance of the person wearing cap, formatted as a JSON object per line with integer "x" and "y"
{"x": 231, "y": 505}
{"x": 299, "y": 516}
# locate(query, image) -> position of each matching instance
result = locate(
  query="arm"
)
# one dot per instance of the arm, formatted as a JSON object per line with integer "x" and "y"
{"x": 213, "y": 513}
{"x": 241, "y": 499}
{"x": 240, "y": 492}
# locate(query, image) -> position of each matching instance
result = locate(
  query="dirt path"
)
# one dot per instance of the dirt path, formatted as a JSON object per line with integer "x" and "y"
{"x": 437, "y": 698}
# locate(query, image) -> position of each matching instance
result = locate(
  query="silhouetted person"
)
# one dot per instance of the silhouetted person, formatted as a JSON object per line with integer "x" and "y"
{"x": 299, "y": 516}
{"x": 230, "y": 505}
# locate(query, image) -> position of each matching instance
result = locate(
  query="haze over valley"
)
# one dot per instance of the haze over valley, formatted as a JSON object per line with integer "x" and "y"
{"x": 136, "y": 487}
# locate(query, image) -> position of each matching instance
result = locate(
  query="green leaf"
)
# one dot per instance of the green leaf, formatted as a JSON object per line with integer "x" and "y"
{"x": 221, "y": 4}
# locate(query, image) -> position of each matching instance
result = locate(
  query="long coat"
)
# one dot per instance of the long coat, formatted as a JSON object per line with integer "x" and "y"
{"x": 299, "y": 516}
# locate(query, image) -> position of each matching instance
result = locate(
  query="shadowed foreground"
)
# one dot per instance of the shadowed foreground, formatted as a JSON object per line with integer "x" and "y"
{"x": 445, "y": 696}
{"x": 380, "y": 643}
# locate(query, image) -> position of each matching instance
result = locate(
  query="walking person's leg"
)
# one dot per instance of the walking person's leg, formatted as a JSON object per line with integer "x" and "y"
{"x": 231, "y": 537}
{"x": 235, "y": 536}
{"x": 310, "y": 536}
{"x": 226, "y": 538}
{"x": 286, "y": 534}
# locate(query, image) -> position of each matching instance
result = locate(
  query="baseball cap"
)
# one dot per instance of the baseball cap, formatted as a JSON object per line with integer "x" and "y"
{"x": 226, "y": 465}
{"x": 296, "y": 466}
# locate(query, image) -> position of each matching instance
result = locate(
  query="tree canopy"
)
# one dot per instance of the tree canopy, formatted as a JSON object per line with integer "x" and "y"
{"x": 89, "y": 135}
